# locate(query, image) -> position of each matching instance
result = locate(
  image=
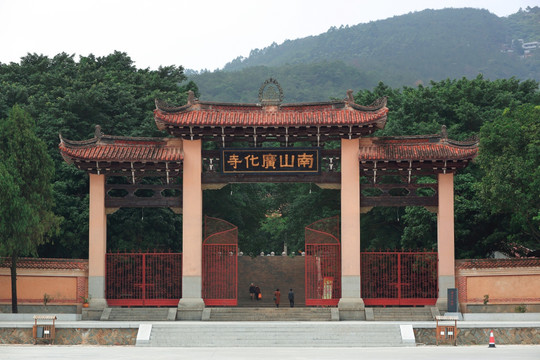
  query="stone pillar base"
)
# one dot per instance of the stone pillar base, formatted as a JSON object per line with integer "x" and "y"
{"x": 97, "y": 304}
{"x": 89, "y": 314}
{"x": 351, "y": 309}
{"x": 445, "y": 282}
{"x": 190, "y": 309}
{"x": 442, "y": 304}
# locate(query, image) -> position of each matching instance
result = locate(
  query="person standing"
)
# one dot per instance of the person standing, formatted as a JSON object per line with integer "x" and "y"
{"x": 258, "y": 295}
{"x": 277, "y": 296}
{"x": 252, "y": 291}
{"x": 291, "y": 298}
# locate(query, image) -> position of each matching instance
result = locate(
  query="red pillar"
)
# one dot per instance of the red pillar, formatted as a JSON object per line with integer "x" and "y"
{"x": 445, "y": 237}
{"x": 192, "y": 304}
{"x": 350, "y": 305}
{"x": 97, "y": 241}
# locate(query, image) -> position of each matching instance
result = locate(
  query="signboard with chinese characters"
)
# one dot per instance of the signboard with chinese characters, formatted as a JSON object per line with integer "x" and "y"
{"x": 270, "y": 160}
{"x": 452, "y": 300}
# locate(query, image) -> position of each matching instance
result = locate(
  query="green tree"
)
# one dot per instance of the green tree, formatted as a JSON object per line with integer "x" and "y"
{"x": 70, "y": 96}
{"x": 242, "y": 205}
{"x": 26, "y": 172}
{"x": 463, "y": 105}
{"x": 510, "y": 158}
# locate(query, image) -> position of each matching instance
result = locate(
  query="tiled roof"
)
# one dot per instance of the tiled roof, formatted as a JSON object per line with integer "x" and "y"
{"x": 497, "y": 263}
{"x": 340, "y": 113}
{"x": 415, "y": 148}
{"x": 44, "y": 263}
{"x": 109, "y": 148}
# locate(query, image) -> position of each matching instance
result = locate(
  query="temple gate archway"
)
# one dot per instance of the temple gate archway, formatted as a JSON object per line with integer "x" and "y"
{"x": 311, "y": 125}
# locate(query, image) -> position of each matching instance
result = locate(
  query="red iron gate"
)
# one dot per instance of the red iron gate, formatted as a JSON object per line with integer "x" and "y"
{"x": 399, "y": 278}
{"x": 143, "y": 279}
{"x": 220, "y": 263}
{"x": 323, "y": 263}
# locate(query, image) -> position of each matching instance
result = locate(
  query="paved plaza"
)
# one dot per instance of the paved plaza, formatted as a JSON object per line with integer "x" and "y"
{"x": 48, "y": 352}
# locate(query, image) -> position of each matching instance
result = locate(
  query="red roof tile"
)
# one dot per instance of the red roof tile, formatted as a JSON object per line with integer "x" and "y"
{"x": 341, "y": 113}
{"x": 497, "y": 263}
{"x": 44, "y": 263}
{"x": 119, "y": 149}
{"x": 415, "y": 148}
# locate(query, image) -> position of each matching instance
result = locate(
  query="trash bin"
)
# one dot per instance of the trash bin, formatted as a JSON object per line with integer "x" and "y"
{"x": 44, "y": 328}
{"x": 446, "y": 329}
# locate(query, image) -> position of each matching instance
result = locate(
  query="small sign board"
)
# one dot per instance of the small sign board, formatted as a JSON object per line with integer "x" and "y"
{"x": 453, "y": 300}
{"x": 270, "y": 161}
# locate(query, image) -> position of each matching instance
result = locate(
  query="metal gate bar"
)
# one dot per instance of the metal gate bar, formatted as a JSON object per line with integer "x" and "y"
{"x": 143, "y": 279}
{"x": 399, "y": 278}
{"x": 323, "y": 263}
{"x": 220, "y": 263}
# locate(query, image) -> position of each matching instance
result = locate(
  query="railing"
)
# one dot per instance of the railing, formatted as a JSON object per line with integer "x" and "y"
{"x": 220, "y": 263}
{"x": 399, "y": 278}
{"x": 144, "y": 279}
{"x": 323, "y": 263}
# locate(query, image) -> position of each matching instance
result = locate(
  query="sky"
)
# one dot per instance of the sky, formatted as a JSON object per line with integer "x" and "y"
{"x": 195, "y": 34}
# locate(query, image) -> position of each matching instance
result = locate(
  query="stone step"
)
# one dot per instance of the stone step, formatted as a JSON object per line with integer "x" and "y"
{"x": 403, "y": 314}
{"x": 270, "y": 314}
{"x": 297, "y": 334}
{"x": 138, "y": 314}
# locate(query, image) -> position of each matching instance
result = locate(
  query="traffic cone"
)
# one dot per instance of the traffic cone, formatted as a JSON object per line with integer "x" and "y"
{"x": 491, "y": 340}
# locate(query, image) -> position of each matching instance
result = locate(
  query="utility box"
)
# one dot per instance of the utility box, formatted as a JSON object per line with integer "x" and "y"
{"x": 446, "y": 329}
{"x": 44, "y": 328}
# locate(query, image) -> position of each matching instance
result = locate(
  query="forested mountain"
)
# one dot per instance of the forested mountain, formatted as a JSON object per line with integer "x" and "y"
{"x": 525, "y": 24}
{"x": 401, "y": 51}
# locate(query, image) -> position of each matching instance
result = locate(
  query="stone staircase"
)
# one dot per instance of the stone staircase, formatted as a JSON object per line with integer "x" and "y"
{"x": 270, "y": 314}
{"x": 267, "y": 313}
{"x": 403, "y": 313}
{"x": 278, "y": 334}
{"x": 138, "y": 314}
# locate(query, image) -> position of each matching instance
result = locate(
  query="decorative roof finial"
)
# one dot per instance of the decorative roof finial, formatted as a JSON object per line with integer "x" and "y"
{"x": 270, "y": 93}
{"x": 98, "y": 133}
{"x": 191, "y": 97}
{"x": 444, "y": 133}
{"x": 350, "y": 97}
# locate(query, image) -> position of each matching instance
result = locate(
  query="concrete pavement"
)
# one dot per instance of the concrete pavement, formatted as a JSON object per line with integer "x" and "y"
{"x": 135, "y": 324}
{"x": 48, "y": 352}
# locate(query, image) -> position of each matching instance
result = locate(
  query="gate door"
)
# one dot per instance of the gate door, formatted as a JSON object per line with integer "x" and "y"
{"x": 143, "y": 279}
{"x": 399, "y": 278}
{"x": 323, "y": 263}
{"x": 220, "y": 263}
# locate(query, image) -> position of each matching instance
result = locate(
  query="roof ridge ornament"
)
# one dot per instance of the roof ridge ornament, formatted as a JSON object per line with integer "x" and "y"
{"x": 270, "y": 92}
{"x": 444, "y": 133}
{"x": 191, "y": 97}
{"x": 164, "y": 106}
{"x": 350, "y": 97}
{"x": 98, "y": 134}
{"x": 376, "y": 105}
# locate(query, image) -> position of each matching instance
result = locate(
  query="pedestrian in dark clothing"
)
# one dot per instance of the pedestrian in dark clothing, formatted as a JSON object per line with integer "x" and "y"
{"x": 258, "y": 295}
{"x": 277, "y": 296}
{"x": 291, "y": 297}
{"x": 252, "y": 291}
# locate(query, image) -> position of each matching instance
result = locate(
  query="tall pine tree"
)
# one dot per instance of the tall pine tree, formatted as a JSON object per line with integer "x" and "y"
{"x": 26, "y": 172}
